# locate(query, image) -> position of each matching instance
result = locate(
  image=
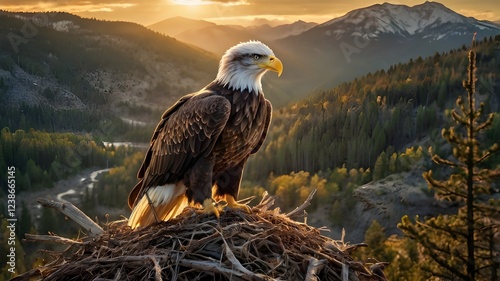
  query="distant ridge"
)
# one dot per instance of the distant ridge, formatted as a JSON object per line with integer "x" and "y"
{"x": 176, "y": 25}
{"x": 217, "y": 38}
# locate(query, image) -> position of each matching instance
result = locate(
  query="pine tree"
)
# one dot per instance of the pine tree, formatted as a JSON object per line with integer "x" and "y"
{"x": 375, "y": 238}
{"x": 381, "y": 167}
{"x": 461, "y": 246}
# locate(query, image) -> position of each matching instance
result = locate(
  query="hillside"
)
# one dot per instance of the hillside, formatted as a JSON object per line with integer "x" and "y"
{"x": 387, "y": 110}
{"x": 62, "y": 62}
{"x": 347, "y": 140}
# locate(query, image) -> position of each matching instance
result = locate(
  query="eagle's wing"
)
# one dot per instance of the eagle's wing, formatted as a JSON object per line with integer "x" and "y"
{"x": 189, "y": 129}
{"x": 269, "y": 110}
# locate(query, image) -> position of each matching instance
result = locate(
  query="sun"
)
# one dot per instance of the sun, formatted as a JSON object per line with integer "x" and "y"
{"x": 190, "y": 2}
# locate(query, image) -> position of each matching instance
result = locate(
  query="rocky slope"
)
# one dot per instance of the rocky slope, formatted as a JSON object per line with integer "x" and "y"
{"x": 71, "y": 62}
{"x": 385, "y": 201}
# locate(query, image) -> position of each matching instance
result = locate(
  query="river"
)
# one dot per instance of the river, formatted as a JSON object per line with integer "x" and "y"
{"x": 73, "y": 188}
{"x": 79, "y": 190}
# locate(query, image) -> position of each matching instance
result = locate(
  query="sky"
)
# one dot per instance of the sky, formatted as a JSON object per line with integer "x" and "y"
{"x": 241, "y": 12}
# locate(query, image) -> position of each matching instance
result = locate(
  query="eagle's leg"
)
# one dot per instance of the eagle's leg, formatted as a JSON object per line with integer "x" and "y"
{"x": 152, "y": 206}
{"x": 231, "y": 203}
{"x": 209, "y": 208}
{"x": 228, "y": 185}
{"x": 199, "y": 181}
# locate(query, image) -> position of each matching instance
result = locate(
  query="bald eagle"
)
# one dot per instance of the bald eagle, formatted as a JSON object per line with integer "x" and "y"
{"x": 205, "y": 138}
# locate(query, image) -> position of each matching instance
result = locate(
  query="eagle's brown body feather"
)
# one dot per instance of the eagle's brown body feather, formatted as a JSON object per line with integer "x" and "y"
{"x": 202, "y": 140}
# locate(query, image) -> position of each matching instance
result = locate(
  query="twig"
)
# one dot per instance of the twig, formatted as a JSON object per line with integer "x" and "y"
{"x": 209, "y": 266}
{"x": 314, "y": 267}
{"x": 247, "y": 274}
{"x": 302, "y": 207}
{"x": 157, "y": 268}
{"x": 50, "y": 238}
{"x": 349, "y": 248}
{"x": 120, "y": 259}
{"x": 75, "y": 214}
{"x": 331, "y": 259}
{"x": 266, "y": 202}
{"x": 345, "y": 272}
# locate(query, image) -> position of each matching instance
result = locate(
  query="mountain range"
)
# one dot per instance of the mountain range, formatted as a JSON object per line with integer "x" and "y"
{"x": 76, "y": 63}
{"x": 376, "y": 37}
{"x": 362, "y": 41}
{"x": 218, "y": 38}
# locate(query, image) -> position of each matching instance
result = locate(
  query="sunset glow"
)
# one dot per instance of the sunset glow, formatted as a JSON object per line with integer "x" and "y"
{"x": 70, "y": 8}
{"x": 210, "y": 2}
{"x": 231, "y": 11}
{"x": 190, "y": 2}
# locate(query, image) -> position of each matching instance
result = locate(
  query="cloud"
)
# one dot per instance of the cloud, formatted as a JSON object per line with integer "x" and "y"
{"x": 481, "y": 15}
{"x": 156, "y": 10}
{"x": 111, "y": 7}
{"x": 72, "y": 7}
{"x": 283, "y": 7}
{"x": 480, "y": 9}
{"x": 208, "y": 2}
{"x": 60, "y": 2}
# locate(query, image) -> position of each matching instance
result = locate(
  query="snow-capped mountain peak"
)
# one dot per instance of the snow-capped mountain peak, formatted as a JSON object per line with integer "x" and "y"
{"x": 430, "y": 20}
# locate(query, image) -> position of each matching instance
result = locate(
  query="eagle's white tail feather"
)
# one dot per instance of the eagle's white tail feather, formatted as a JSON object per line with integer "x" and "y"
{"x": 168, "y": 200}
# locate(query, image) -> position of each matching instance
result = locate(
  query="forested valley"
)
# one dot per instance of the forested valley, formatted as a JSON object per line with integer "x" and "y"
{"x": 366, "y": 130}
{"x": 385, "y": 112}
{"x": 334, "y": 141}
{"x": 377, "y": 125}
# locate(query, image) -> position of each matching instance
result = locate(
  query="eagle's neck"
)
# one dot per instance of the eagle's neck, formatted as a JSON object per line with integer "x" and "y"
{"x": 236, "y": 77}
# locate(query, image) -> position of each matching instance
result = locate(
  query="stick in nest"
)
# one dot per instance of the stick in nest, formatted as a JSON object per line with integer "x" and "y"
{"x": 302, "y": 208}
{"x": 262, "y": 245}
{"x": 75, "y": 214}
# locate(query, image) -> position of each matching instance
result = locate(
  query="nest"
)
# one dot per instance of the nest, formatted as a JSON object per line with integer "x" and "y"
{"x": 263, "y": 245}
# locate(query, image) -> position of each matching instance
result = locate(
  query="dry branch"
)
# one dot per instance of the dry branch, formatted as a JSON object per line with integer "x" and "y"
{"x": 262, "y": 245}
{"x": 315, "y": 265}
{"x": 75, "y": 214}
{"x": 49, "y": 238}
{"x": 302, "y": 208}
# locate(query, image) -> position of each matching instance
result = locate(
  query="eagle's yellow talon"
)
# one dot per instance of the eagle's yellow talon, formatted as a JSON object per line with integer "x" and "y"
{"x": 209, "y": 208}
{"x": 231, "y": 203}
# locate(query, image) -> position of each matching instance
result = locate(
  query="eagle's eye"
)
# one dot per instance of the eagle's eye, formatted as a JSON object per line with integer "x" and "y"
{"x": 256, "y": 56}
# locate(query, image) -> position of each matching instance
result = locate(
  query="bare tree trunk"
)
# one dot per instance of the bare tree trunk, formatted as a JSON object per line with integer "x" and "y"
{"x": 470, "y": 170}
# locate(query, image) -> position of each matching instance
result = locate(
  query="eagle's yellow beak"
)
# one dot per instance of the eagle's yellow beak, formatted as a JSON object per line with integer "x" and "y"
{"x": 273, "y": 64}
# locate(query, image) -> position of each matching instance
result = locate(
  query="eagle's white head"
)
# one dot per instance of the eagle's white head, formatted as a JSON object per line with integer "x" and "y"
{"x": 242, "y": 66}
